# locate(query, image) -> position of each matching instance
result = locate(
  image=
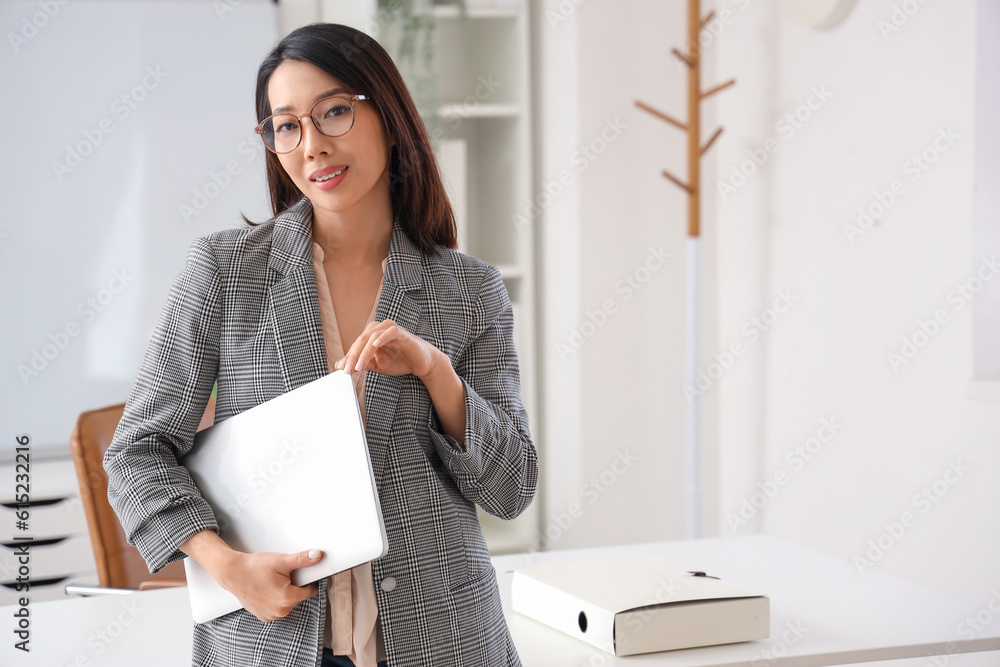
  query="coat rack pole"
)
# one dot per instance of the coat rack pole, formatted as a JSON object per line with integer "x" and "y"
{"x": 694, "y": 271}
{"x": 692, "y": 59}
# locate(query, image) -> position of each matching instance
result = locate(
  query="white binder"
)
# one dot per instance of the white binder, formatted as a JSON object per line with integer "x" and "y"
{"x": 639, "y": 604}
{"x": 290, "y": 474}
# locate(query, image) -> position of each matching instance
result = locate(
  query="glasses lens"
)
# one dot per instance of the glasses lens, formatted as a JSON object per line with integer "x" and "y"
{"x": 281, "y": 133}
{"x": 334, "y": 116}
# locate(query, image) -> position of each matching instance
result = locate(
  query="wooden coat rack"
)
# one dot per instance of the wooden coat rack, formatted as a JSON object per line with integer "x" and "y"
{"x": 692, "y": 59}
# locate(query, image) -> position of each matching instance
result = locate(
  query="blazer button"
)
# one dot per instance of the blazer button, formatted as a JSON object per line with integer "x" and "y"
{"x": 389, "y": 584}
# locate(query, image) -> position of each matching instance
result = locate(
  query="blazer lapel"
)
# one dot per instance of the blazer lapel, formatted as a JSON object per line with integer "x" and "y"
{"x": 294, "y": 304}
{"x": 293, "y": 300}
{"x": 396, "y": 303}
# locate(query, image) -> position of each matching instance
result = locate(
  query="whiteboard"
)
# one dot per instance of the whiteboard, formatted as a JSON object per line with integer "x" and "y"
{"x": 128, "y": 132}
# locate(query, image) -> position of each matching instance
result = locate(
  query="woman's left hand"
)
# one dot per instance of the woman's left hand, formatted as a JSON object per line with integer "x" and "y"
{"x": 387, "y": 348}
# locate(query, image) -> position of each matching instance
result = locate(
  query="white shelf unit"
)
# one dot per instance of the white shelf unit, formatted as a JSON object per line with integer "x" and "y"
{"x": 486, "y": 49}
{"x": 60, "y": 551}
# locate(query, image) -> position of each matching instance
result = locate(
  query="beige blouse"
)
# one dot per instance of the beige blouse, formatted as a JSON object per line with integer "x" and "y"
{"x": 352, "y": 627}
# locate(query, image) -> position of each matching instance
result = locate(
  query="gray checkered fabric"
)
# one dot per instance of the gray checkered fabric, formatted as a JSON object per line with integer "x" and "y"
{"x": 245, "y": 312}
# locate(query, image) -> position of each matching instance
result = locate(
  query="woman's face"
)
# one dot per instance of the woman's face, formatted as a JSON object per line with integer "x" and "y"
{"x": 294, "y": 87}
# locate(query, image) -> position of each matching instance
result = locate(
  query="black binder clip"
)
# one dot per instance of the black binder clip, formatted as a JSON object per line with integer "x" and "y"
{"x": 699, "y": 573}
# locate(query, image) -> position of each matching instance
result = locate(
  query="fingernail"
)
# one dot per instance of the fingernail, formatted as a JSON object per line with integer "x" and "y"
{"x": 357, "y": 366}
{"x": 313, "y": 554}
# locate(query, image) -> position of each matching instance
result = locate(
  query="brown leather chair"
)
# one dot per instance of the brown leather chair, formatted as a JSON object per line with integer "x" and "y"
{"x": 119, "y": 564}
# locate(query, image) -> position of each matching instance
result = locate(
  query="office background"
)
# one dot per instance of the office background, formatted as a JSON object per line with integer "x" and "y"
{"x": 853, "y": 260}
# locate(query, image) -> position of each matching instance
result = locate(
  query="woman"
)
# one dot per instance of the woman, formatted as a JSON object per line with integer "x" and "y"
{"x": 356, "y": 271}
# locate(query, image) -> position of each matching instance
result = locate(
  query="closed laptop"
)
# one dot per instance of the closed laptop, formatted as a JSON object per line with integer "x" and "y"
{"x": 290, "y": 474}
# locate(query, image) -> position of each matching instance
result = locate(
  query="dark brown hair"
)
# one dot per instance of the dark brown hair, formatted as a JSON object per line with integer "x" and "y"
{"x": 360, "y": 63}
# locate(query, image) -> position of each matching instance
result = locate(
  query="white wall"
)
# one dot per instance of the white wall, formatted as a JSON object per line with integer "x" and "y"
{"x": 986, "y": 357}
{"x": 140, "y": 139}
{"x": 827, "y": 357}
{"x": 557, "y": 239}
{"x": 613, "y": 410}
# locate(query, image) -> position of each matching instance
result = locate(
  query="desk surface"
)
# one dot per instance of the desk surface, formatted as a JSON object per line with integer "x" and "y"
{"x": 823, "y": 612}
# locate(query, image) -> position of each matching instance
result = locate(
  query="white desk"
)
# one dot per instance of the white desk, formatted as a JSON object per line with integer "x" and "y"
{"x": 822, "y": 613}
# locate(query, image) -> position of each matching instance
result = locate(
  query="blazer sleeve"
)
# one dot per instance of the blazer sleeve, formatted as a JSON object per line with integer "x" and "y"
{"x": 498, "y": 468}
{"x": 154, "y": 496}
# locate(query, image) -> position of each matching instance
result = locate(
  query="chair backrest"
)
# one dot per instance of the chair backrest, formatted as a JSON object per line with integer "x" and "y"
{"x": 119, "y": 564}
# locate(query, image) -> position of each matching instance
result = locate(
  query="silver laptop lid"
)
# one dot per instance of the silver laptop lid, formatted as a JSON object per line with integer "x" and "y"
{"x": 290, "y": 474}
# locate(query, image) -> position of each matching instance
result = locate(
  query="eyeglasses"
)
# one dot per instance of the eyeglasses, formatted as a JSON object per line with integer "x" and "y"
{"x": 332, "y": 116}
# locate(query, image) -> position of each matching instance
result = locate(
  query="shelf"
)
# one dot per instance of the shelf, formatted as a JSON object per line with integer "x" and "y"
{"x": 499, "y": 12}
{"x": 461, "y": 110}
{"x": 476, "y": 93}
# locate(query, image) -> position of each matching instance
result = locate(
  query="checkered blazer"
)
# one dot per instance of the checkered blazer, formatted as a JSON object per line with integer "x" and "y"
{"x": 245, "y": 312}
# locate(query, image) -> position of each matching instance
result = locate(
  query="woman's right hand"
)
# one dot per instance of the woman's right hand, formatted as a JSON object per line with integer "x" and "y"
{"x": 262, "y": 581}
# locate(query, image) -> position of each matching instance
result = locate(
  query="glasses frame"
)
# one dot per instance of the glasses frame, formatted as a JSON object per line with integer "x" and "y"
{"x": 352, "y": 98}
